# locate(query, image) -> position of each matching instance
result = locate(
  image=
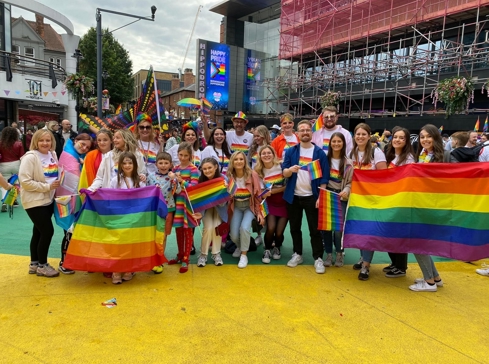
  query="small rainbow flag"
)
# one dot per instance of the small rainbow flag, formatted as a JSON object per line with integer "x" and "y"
{"x": 65, "y": 205}
{"x": 62, "y": 176}
{"x": 314, "y": 169}
{"x": 264, "y": 208}
{"x": 268, "y": 188}
{"x": 486, "y": 126}
{"x": 208, "y": 194}
{"x": 318, "y": 124}
{"x": 440, "y": 129}
{"x": 205, "y": 105}
{"x": 232, "y": 187}
{"x": 477, "y": 125}
{"x": 118, "y": 110}
{"x": 330, "y": 211}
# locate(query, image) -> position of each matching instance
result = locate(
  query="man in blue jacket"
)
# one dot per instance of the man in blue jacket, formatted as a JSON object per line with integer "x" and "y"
{"x": 302, "y": 194}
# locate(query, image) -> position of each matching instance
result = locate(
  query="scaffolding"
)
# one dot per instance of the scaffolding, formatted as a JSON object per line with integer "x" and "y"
{"x": 384, "y": 56}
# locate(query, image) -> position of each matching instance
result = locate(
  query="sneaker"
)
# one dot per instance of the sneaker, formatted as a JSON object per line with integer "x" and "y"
{"x": 173, "y": 261}
{"x": 363, "y": 275}
{"x": 295, "y": 260}
{"x": 359, "y": 265}
{"x": 243, "y": 261}
{"x": 266, "y": 257}
{"x": 127, "y": 276}
{"x": 65, "y": 270}
{"x": 116, "y": 278}
{"x": 202, "y": 260}
{"x": 4, "y": 208}
{"x": 192, "y": 252}
{"x": 421, "y": 280}
{"x": 328, "y": 262}
{"x": 258, "y": 240}
{"x": 319, "y": 265}
{"x": 33, "y": 268}
{"x": 423, "y": 287}
{"x": 395, "y": 273}
{"x": 339, "y": 260}
{"x": 482, "y": 272}
{"x": 217, "y": 259}
{"x": 183, "y": 268}
{"x": 46, "y": 271}
{"x": 158, "y": 269}
{"x": 237, "y": 253}
{"x": 276, "y": 255}
{"x": 388, "y": 268}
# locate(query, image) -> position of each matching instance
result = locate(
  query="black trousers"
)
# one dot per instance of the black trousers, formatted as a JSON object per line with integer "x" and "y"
{"x": 42, "y": 232}
{"x": 399, "y": 260}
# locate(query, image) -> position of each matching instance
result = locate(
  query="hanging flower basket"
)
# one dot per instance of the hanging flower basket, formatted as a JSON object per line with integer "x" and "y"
{"x": 77, "y": 83}
{"x": 455, "y": 92}
{"x": 485, "y": 86}
{"x": 330, "y": 98}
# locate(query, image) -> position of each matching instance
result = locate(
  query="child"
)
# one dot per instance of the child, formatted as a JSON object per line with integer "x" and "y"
{"x": 187, "y": 175}
{"x": 127, "y": 178}
{"x": 212, "y": 218}
{"x": 168, "y": 187}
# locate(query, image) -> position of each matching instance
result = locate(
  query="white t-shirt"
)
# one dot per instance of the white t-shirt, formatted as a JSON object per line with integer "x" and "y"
{"x": 123, "y": 185}
{"x": 409, "y": 160}
{"x": 322, "y": 137}
{"x": 378, "y": 157}
{"x": 149, "y": 150}
{"x": 220, "y": 157}
{"x": 484, "y": 153}
{"x": 273, "y": 175}
{"x": 242, "y": 192}
{"x": 303, "y": 185}
{"x": 50, "y": 169}
{"x": 196, "y": 157}
{"x": 239, "y": 143}
{"x": 291, "y": 140}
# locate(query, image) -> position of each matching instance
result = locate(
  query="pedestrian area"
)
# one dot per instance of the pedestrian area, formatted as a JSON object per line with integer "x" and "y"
{"x": 264, "y": 313}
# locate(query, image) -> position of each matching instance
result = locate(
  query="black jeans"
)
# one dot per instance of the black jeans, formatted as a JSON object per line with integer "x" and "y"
{"x": 294, "y": 210}
{"x": 399, "y": 260}
{"x": 42, "y": 232}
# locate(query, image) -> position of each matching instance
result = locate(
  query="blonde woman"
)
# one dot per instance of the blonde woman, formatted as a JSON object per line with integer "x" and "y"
{"x": 261, "y": 137}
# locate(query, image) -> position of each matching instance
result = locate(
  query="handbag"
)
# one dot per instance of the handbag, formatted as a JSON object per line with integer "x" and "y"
{"x": 222, "y": 229}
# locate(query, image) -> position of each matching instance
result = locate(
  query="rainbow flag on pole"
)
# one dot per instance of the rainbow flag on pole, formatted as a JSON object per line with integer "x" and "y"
{"x": 208, "y": 194}
{"x": 330, "y": 211}
{"x": 232, "y": 186}
{"x": 486, "y": 126}
{"x": 264, "y": 208}
{"x": 435, "y": 209}
{"x": 318, "y": 124}
{"x": 119, "y": 231}
{"x": 314, "y": 169}
{"x": 477, "y": 125}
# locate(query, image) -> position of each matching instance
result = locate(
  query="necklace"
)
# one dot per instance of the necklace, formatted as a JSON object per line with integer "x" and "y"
{"x": 145, "y": 151}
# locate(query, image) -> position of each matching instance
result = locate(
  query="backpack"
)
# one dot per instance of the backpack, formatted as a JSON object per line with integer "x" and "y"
{"x": 465, "y": 155}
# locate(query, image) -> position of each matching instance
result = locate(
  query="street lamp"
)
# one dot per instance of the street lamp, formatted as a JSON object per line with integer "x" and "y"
{"x": 98, "y": 17}
{"x": 78, "y": 55}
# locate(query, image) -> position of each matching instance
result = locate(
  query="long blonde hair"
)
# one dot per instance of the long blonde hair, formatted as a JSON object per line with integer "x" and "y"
{"x": 247, "y": 170}
{"x": 130, "y": 144}
{"x": 265, "y": 134}
{"x": 259, "y": 164}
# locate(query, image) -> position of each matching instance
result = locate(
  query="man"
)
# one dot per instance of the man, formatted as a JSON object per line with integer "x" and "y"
{"x": 447, "y": 142}
{"x": 274, "y": 131}
{"x": 302, "y": 194}
{"x": 66, "y": 132}
{"x": 322, "y": 136}
{"x": 472, "y": 139}
{"x": 16, "y": 126}
{"x": 237, "y": 139}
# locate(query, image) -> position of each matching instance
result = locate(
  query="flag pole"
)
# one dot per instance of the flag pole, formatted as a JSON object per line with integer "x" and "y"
{"x": 156, "y": 98}
{"x": 192, "y": 208}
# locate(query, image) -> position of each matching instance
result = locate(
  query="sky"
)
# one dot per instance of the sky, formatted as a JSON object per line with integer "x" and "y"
{"x": 161, "y": 43}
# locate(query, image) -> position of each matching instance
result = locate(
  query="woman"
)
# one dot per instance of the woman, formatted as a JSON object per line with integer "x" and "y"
{"x": 146, "y": 141}
{"x": 340, "y": 176}
{"x": 269, "y": 170}
{"x": 261, "y": 137}
{"x": 94, "y": 158}
{"x": 189, "y": 135}
{"x": 245, "y": 205}
{"x": 365, "y": 156}
{"x": 288, "y": 138}
{"x": 11, "y": 150}
{"x": 53, "y": 127}
{"x": 430, "y": 150}
{"x": 399, "y": 153}
{"x": 38, "y": 177}
{"x": 218, "y": 148}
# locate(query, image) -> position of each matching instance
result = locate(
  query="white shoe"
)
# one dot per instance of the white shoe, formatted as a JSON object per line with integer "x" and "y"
{"x": 258, "y": 240}
{"x": 421, "y": 280}
{"x": 266, "y": 257}
{"x": 319, "y": 265}
{"x": 483, "y": 272}
{"x": 295, "y": 260}
{"x": 202, "y": 260}
{"x": 423, "y": 287}
{"x": 237, "y": 253}
{"x": 276, "y": 255}
{"x": 243, "y": 261}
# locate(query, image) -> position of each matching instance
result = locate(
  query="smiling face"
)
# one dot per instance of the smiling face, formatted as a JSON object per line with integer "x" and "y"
{"x": 239, "y": 162}
{"x": 219, "y": 137}
{"x": 287, "y": 126}
{"x": 127, "y": 166}
{"x": 239, "y": 125}
{"x": 145, "y": 130}
{"x": 163, "y": 166}
{"x": 330, "y": 118}
{"x": 258, "y": 138}
{"x": 426, "y": 140}
{"x": 103, "y": 143}
{"x": 209, "y": 170}
{"x": 473, "y": 138}
{"x": 44, "y": 143}
{"x": 190, "y": 136}
{"x": 184, "y": 157}
{"x": 266, "y": 155}
{"x": 305, "y": 133}
{"x": 119, "y": 142}
{"x": 336, "y": 144}
{"x": 83, "y": 146}
{"x": 362, "y": 137}
{"x": 399, "y": 140}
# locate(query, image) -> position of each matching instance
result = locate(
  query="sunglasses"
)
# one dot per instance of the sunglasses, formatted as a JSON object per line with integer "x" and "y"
{"x": 142, "y": 127}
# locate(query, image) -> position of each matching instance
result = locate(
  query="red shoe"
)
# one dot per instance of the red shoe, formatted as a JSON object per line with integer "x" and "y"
{"x": 176, "y": 260}
{"x": 107, "y": 275}
{"x": 184, "y": 268}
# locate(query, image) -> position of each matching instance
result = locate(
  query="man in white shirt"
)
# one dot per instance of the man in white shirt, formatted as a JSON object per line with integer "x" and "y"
{"x": 321, "y": 137}
{"x": 237, "y": 139}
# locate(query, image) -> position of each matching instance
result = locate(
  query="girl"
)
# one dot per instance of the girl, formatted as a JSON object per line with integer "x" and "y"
{"x": 218, "y": 148}
{"x": 187, "y": 175}
{"x": 288, "y": 138}
{"x": 11, "y": 150}
{"x": 340, "y": 176}
{"x": 212, "y": 218}
{"x": 269, "y": 169}
{"x": 126, "y": 179}
{"x": 430, "y": 150}
{"x": 146, "y": 141}
{"x": 189, "y": 135}
{"x": 365, "y": 156}
{"x": 38, "y": 177}
{"x": 261, "y": 137}
{"x": 245, "y": 205}
{"x": 399, "y": 153}
{"x": 93, "y": 159}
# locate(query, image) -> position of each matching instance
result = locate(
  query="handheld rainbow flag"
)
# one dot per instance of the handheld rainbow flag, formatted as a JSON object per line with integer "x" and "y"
{"x": 436, "y": 209}
{"x": 264, "y": 208}
{"x": 205, "y": 105}
{"x": 441, "y": 129}
{"x": 65, "y": 205}
{"x": 314, "y": 169}
{"x": 268, "y": 188}
{"x": 319, "y": 123}
{"x": 232, "y": 186}
{"x": 118, "y": 110}
{"x": 330, "y": 211}
{"x": 477, "y": 125}
{"x": 119, "y": 231}
{"x": 208, "y": 194}
{"x": 486, "y": 126}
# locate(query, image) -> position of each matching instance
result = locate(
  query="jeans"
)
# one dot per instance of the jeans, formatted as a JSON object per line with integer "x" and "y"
{"x": 295, "y": 210}
{"x": 241, "y": 225}
{"x": 427, "y": 266}
{"x": 334, "y": 236}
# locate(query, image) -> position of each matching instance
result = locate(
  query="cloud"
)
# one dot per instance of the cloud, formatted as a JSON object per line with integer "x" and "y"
{"x": 161, "y": 43}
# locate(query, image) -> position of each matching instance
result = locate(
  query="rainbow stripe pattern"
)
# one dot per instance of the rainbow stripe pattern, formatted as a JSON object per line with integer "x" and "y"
{"x": 335, "y": 175}
{"x": 304, "y": 161}
{"x": 242, "y": 193}
{"x": 330, "y": 211}
{"x": 485, "y": 129}
{"x": 51, "y": 170}
{"x": 208, "y": 194}
{"x": 232, "y": 186}
{"x": 325, "y": 144}
{"x": 264, "y": 208}
{"x": 318, "y": 124}
{"x": 314, "y": 169}
{"x": 276, "y": 179}
{"x": 435, "y": 209}
{"x": 149, "y": 156}
{"x": 240, "y": 148}
{"x": 119, "y": 231}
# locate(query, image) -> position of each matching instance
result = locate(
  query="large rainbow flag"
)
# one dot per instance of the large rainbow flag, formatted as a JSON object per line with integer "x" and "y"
{"x": 330, "y": 211}
{"x": 208, "y": 194}
{"x": 119, "y": 231}
{"x": 435, "y": 209}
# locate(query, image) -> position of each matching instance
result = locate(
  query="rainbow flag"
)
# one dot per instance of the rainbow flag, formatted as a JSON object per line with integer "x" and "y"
{"x": 486, "y": 126}
{"x": 205, "y": 105}
{"x": 65, "y": 206}
{"x": 119, "y": 231}
{"x": 118, "y": 110}
{"x": 314, "y": 169}
{"x": 440, "y": 129}
{"x": 232, "y": 186}
{"x": 208, "y": 194}
{"x": 477, "y": 125}
{"x": 435, "y": 209}
{"x": 318, "y": 124}
{"x": 264, "y": 208}
{"x": 330, "y": 211}
{"x": 268, "y": 188}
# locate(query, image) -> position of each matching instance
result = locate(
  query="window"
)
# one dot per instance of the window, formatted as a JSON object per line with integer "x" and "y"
{"x": 51, "y": 60}
{"x": 58, "y": 62}
{"x": 15, "y": 49}
{"x": 29, "y": 52}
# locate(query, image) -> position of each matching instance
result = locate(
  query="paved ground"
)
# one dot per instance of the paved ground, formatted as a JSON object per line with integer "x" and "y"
{"x": 224, "y": 314}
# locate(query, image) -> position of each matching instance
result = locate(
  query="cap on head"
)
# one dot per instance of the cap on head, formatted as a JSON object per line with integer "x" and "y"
{"x": 240, "y": 115}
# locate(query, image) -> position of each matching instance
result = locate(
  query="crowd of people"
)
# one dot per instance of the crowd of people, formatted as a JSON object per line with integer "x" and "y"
{"x": 264, "y": 164}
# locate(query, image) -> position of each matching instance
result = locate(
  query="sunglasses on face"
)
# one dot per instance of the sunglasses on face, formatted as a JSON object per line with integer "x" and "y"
{"x": 142, "y": 127}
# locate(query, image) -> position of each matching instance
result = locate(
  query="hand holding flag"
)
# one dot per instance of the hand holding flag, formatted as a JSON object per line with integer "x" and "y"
{"x": 314, "y": 169}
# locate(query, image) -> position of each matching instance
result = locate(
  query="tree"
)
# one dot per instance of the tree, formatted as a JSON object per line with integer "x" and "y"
{"x": 115, "y": 60}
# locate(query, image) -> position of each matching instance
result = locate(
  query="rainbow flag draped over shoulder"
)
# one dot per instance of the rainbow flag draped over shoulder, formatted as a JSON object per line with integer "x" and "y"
{"x": 330, "y": 211}
{"x": 208, "y": 194}
{"x": 119, "y": 231}
{"x": 314, "y": 169}
{"x": 435, "y": 209}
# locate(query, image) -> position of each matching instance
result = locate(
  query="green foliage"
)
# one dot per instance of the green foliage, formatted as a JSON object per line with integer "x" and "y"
{"x": 115, "y": 60}
{"x": 455, "y": 92}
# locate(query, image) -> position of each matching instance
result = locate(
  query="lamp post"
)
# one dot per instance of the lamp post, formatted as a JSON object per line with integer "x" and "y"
{"x": 78, "y": 55}
{"x": 98, "y": 17}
